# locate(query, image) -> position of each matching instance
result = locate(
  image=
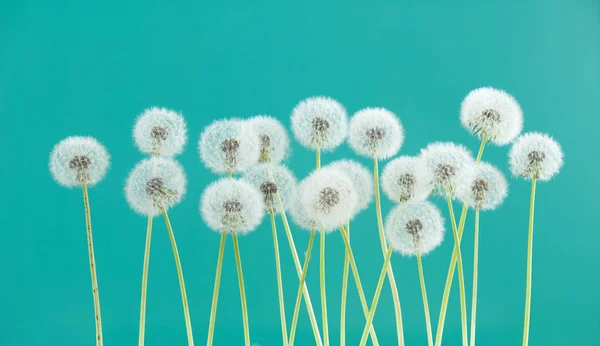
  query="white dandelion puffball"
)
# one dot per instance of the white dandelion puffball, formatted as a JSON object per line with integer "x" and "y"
{"x": 78, "y": 161}
{"x": 415, "y": 226}
{"x": 272, "y": 181}
{"x": 445, "y": 161}
{"x": 320, "y": 123}
{"x": 155, "y": 184}
{"x": 361, "y": 178}
{"x": 160, "y": 131}
{"x": 229, "y": 146}
{"x": 300, "y": 216}
{"x": 493, "y": 113}
{"x": 406, "y": 178}
{"x": 232, "y": 205}
{"x": 273, "y": 139}
{"x": 535, "y": 155}
{"x": 376, "y": 132}
{"x": 483, "y": 187}
{"x": 329, "y": 198}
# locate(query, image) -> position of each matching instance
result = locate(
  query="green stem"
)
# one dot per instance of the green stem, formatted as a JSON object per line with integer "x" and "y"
{"x": 145, "y": 282}
{"x": 215, "y": 299}
{"x": 238, "y": 264}
{"x": 475, "y": 270}
{"x": 301, "y": 288}
{"x": 279, "y": 281}
{"x": 345, "y": 274}
{"x": 529, "y": 264}
{"x": 425, "y": 301}
{"x": 318, "y": 158}
{"x": 323, "y": 291}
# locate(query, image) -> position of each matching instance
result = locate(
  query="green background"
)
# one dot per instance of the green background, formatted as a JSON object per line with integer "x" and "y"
{"x": 80, "y": 67}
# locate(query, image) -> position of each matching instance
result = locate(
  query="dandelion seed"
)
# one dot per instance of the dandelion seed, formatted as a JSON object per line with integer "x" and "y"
{"x": 415, "y": 226}
{"x": 270, "y": 181}
{"x": 535, "y": 155}
{"x": 273, "y": 139}
{"x": 376, "y": 132}
{"x": 320, "y": 123}
{"x": 160, "y": 131}
{"x": 362, "y": 180}
{"x": 406, "y": 178}
{"x": 78, "y": 161}
{"x": 484, "y": 187}
{"x": 445, "y": 161}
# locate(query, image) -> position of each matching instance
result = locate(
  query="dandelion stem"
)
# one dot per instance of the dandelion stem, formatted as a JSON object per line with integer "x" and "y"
{"x": 215, "y": 299}
{"x": 345, "y": 274}
{"x": 318, "y": 158}
{"x": 279, "y": 281}
{"x": 529, "y": 264}
{"x": 390, "y": 271}
{"x": 145, "y": 282}
{"x": 475, "y": 269}
{"x": 186, "y": 310}
{"x": 301, "y": 289}
{"x": 425, "y": 302}
{"x": 323, "y": 290}
{"x": 238, "y": 263}
{"x": 88, "y": 224}
{"x": 368, "y": 325}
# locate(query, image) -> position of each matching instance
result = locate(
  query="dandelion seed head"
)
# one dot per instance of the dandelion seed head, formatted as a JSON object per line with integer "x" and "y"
{"x": 406, "y": 178}
{"x": 160, "y": 131}
{"x": 273, "y": 139}
{"x": 271, "y": 180}
{"x": 535, "y": 155}
{"x": 77, "y": 160}
{"x": 376, "y": 132}
{"x": 320, "y": 123}
{"x": 483, "y": 187}
{"x": 445, "y": 161}
{"x": 362, "y": 180}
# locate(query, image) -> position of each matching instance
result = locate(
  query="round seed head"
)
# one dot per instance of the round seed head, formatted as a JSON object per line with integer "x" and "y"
{"x": 483, "y": 187}
{"x": 445, "y": 161}
{"x": 272, "y": 180}
{"x": 320, "y": 123}
{"x": 376, "y": 132}
{"x": 362, "y": 180}
{"x": 535, "y": 155}
{"x": 415, "y": 227}
{"x": 406, "y": 178}
{"x": 77, "y": 160}
{"x": 160, "y": 131}
{"x": 272, "y": 137}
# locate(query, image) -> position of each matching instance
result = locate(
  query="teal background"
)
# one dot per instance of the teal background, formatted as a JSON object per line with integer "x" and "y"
{"x": 75, "y": 67}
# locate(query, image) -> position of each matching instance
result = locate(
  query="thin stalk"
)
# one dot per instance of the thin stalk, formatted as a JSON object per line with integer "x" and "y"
{"x": 215, "y": 299}
{"x": 390, "y": 272}
{"x": 145, "y": 282}
{"x": 529, "y": 264}
{"x": 279, "y": 281}
{"x": 425, "y": 302}
{"x": 323, "y": 290}
{"x": 475, "y": 270}
{"x": 301, "y": 289}
{"x": 386, "y": 263}
{"x": 318, "y": 158}
{"x": 95, "y": 293}
{"x": 238, "y": 263}
{"x": 186, "y": 309}
{"x": 346, "y": 272}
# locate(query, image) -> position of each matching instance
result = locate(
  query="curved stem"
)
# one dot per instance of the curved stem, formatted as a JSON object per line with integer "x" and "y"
{"x": 345, "y": 274}
{"x": 215, "y": 299}
{"x": 145, "y": 282}
{"x": 425, "y": 302}
{"x": 475, "y": 270}
{"x": 323, "y": 291}
{"x": 390, "y": 272}
{"x": 301, "y": 288}
{"x": 238, "y": 264}
{"x": 95, "y": 293}
{"x": 529, "y": 264}
{"x": 279, "y": 281}
{"x": 186, "y": 309}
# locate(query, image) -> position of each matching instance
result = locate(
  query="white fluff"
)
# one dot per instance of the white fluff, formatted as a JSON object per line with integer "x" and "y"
{"x": 228, "y": 146}
{"x": 160, "y": 131}
{"x": 405, "y": 179}
{"x": 376, "y": 132}
{"x": 535, "y": 154}
{"x": 361, "y": 178}
{"x": 329, "y": 198}
{"x": 232, "y": 205}
{"x": 300, "y": 216}
{"x": 445, "y": 161}
{"x": 270, "y": 181}
{"x": 492, "y": 112}
{"x": 77, "y": 160}
{"x": 273, "y": 139}
{"x": 482, "y": 187}
{"x": 414, "y": 226}
{"x": 154, "y": 184}
{"x": 320, "y": 123}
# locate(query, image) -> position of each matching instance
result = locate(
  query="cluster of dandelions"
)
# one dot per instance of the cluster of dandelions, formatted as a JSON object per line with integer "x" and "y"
{"x": 249, "y": 154}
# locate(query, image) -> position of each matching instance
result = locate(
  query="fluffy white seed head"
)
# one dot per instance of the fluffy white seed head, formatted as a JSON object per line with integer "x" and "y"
{"x": 535, "y": 155}
{"x": 376, "y": 132}
{"x": 273, "y": 139}
{"x": 232, "y": 205}
{"x": 160, "y": 131}
{"x": 415, "y": 226}
{"x": 445, "y": 161}
{"x": 320, "y": 123}
{"x": 329, "y": 198}
{"x": 77, "y": 160}
{"x": 361, "y": 178}
{"x": 300, "y": 216}
{"x": 272, "y": 181}
{"x": 406, "y": 179}
{"x": 493, "y": 113}
{"x": 483, "y": 187}
{"x": 155, "y": 184}
{"x": 229, "y": 146}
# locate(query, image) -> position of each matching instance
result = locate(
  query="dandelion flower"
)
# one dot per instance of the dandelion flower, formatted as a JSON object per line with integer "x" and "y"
{"x": 376, "y": 132}
{"x": 362, "y": 180}
{"x": 415, "y": 226}
{"x": 484, "y": 187}
{"x": 232, "y": 205}
{"x": 78, "y": 161}
{"x": 535, "y": 155}
{"x": 270, "y": 181}
{"x": 445, "y": 161}
{"x": 492, "y": 113}
{"x": 229, "y": 146}
{"x": 320, "y": 123}
{"x": 160, "y": 131}
{"x": 406, "y": 178}
{"x": 155, "y": 184}
{"x": 273, "y": 139}
{"x": 329, "y": 198}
